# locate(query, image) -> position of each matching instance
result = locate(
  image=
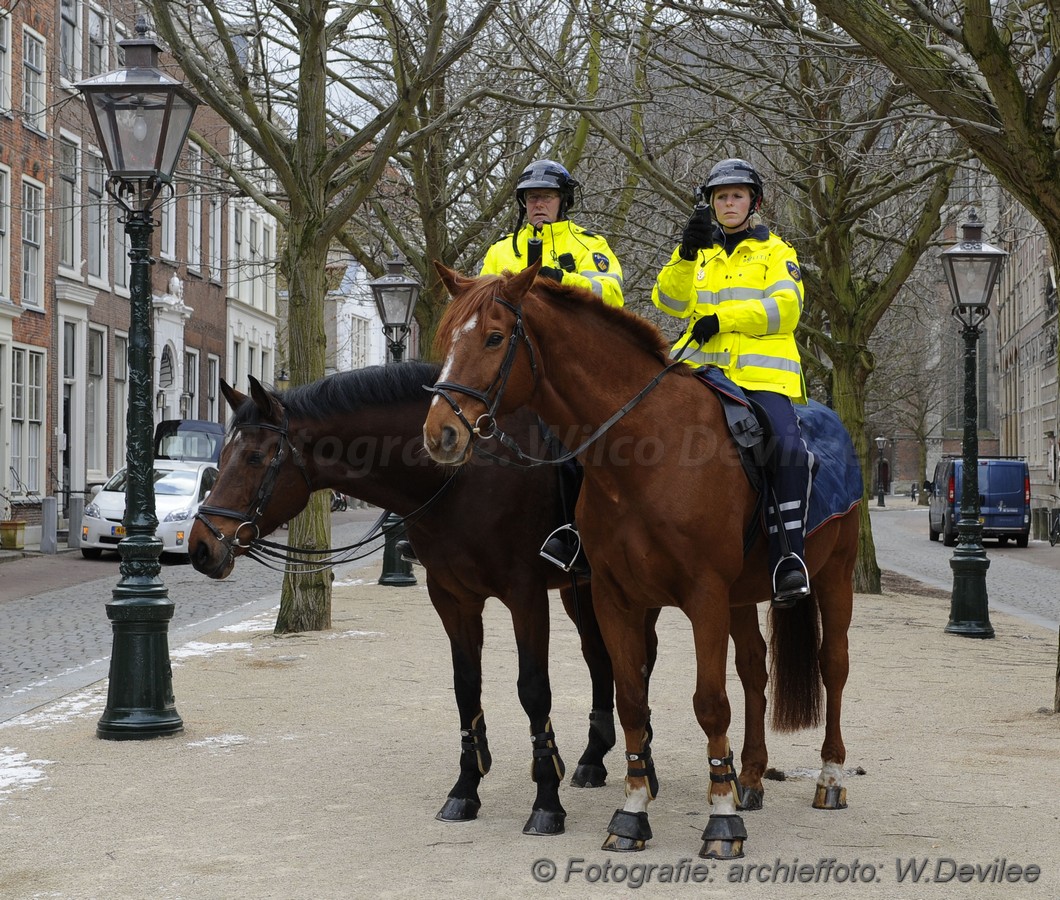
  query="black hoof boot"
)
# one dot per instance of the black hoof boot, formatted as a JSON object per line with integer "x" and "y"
{"x": 589, "y": 775}
{"x": 545, "y": 822}
{"x": 723, "y": 838}
{"x": 627, "y": 832}
{"x": 459, "y": 809}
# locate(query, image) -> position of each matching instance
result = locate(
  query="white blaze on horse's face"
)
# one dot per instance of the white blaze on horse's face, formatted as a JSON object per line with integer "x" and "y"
{"x": 447, "y": 366}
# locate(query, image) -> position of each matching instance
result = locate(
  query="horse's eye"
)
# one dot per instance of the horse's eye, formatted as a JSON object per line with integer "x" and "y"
{"x": 256, "y": 458}
{"x": 494, "y": 340}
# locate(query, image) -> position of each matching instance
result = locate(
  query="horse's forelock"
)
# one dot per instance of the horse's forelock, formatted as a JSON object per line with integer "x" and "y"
{"x": 462, "y": 307}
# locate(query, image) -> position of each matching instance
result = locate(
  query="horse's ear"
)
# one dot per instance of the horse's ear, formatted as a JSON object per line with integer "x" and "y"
{"x": 454, "y": 282}
{"x": 268, "y": 405}
{"x": 520, "y": 283}
{"x": 235, "y": 398}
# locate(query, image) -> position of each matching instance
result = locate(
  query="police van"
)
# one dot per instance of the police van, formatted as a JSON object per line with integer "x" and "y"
{"x": 1004, "y": 499}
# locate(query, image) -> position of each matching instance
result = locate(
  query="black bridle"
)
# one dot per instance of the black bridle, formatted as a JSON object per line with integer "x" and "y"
{"x": 249, "y": 520}
{"x": 486, "y": 425}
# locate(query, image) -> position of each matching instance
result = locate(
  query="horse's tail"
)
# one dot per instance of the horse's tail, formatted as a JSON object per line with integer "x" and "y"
{"x": 795, "y": 671}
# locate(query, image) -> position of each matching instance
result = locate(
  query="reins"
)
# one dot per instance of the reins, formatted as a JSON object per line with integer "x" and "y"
{"x": 268, "y": 553}
{"x": 442, "y": 389}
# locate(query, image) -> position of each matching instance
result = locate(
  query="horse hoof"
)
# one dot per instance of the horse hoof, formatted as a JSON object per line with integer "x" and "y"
{"x": 545, "y": 822}
{"x": 723, "y": 838}
{"x": 830, "y": 797}
{"x": 623, "y": 844}
{"x": 589, "y": 775}
{"x": 627, "y": 831}
{"x": 751, "y": 799}
{"x": 459, "y": 809}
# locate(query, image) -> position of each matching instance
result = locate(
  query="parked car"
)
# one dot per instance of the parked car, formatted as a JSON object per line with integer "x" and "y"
{"x": 1004, "y": 499}
{"x": 192, "y": 440}
{"x": 179, "y": 489}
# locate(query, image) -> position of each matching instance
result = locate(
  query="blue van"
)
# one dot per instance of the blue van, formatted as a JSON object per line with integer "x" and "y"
{"x": 1004, "y": 499}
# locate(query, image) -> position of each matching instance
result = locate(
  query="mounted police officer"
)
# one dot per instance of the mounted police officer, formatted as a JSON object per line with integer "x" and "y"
{"x": 569, "y": 254}
{"x": 740, "y": 287}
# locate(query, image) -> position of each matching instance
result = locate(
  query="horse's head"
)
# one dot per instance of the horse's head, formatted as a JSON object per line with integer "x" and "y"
{"x": 262, "y": 483}
{"x": 489, "y": 366}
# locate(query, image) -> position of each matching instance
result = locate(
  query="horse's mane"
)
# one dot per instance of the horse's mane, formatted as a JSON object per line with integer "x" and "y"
{"x": 481, "y": 293}
{"x": 348, "y": 392}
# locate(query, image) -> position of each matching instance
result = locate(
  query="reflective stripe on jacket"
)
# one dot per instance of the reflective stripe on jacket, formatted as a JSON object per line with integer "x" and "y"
{"x": 757, "y": 295}
{"x": 596, "y": 267}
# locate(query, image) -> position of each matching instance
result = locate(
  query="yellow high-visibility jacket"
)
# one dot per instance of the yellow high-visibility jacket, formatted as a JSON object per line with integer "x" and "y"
{"x": 596, "y": 267}
{"x": 757, "y": 295}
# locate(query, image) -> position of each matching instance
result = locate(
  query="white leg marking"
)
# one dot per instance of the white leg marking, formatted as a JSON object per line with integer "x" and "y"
{"x": 831, "y": 775}
{"x": 636, "y": 800}
{"x": 723, "y": 806}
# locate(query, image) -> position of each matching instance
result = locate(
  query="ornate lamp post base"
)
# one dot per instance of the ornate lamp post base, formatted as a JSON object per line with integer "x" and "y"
{"x": 397, "y": 572}
{"x": 140, "y": 702}
{"x": 969, "y": 610}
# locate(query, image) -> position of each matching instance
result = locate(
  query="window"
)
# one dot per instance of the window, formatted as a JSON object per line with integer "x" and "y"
{"x": 97, "y": 43}
{"x": 34, "y": 87}
{"x": 167, "y": 241}
{"x": 68, "y": 206}
{"x": 97, "y": 217}
{"x": 213, "y": 378}
{"x": 5, "y": 225}
{"x": 237, "y": 352}
{"x": 195, "y": 210}
{"x": 360, "y": 342}
{"x": 189, "y": 400}
{"x": 32, "y": 244}
{"x": 69, "y": 39}
{"x": 215, "y": 238}
{"x": 121, "y": 400}
{"x": 27, "y": 410}
{"x": 5, "y": 61}
{"x": 120, "y": 246}
{"x": 95, "y": 404}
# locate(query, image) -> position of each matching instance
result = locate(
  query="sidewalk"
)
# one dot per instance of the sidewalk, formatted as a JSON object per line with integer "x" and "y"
{"x": 311, "y": 766}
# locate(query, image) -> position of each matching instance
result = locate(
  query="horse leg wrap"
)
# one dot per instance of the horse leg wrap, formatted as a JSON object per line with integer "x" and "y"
{"x": 737, "y": 788}
{"x": 627, "y": 831}
{"x": 473, "y": 742}
{"x": 645, "y": 769}
{"x": 544, "y": 745}
{"x": 723, "y": 838}
{"x": 602, "y": 724}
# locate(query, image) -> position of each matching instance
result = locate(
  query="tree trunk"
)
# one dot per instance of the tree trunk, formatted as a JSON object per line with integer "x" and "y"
{"x": 849, "y": 377}
{"x": 305, "y": 600}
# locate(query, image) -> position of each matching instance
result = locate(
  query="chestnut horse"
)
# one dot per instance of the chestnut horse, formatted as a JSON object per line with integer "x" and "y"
{"x": 665, "y": 514}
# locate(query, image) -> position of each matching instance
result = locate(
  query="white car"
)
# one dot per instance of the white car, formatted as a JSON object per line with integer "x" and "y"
{"x": 179, "y": 489}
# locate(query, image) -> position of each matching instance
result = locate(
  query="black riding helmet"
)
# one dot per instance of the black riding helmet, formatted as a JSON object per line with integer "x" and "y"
{"x": 550, "y": 175}
{"x": 735, "y": 171}
{"x": 543, "y": 174}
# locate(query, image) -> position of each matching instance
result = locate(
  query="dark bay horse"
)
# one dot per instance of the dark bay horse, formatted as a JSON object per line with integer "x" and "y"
{"x": 477, "y": 536}
{"x": 664, "y": 513}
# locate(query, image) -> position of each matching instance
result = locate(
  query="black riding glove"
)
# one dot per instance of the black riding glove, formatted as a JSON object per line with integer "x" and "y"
{"x": 698, "y": 233}
{"x": 705, "y": 329}
{"x": 550, "y": 272}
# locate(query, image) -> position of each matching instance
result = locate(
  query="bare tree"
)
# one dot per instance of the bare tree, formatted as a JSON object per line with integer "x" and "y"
{"x": 276, "y": 72}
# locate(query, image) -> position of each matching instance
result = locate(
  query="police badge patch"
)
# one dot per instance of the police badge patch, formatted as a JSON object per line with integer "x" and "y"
{"x": 794, "y": 270}
{"x": 602, "y": 262}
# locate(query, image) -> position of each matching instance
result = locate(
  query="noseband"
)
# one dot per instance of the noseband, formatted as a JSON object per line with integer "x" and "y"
{"x": 249, "y": 520}
{"x": 485, "y": 425}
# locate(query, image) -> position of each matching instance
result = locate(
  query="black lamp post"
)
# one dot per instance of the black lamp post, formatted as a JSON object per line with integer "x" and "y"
{"x": 142, "y": 118}
{"x": 395, "y": 298}
{"x": 972, "y": 268}
{"x": 881, "y": 442}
